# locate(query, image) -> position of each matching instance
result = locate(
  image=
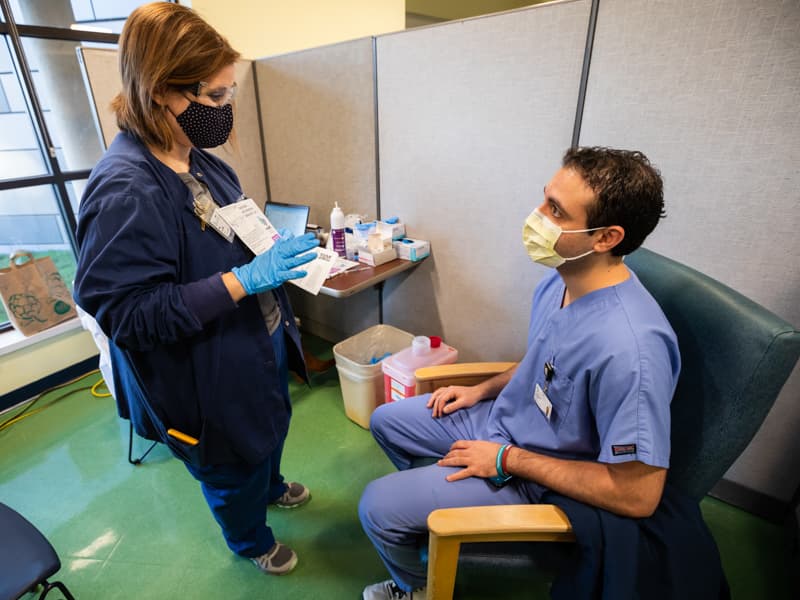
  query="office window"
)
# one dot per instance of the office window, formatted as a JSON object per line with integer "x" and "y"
{"x": 49, "y": 140}
{"x": 21, "y": 152}
{"x": 31, "y": 220}
{"x": 4, "y": 106}
{"x": 75, "y": 191}
{"x": 65, "y": 103}
{"x": 95, "y": 14}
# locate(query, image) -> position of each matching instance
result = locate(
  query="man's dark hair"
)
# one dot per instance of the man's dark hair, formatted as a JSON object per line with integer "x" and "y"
{"x": 628, "y": 189}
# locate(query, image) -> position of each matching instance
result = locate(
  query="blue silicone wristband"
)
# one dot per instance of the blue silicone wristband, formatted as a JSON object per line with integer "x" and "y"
{"x": 502, "y": 477}
{"x": 498, "y": 463}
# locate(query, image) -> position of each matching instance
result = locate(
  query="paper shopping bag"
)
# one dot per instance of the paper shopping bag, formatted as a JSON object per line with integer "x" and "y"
{"x": 34, "y": 293}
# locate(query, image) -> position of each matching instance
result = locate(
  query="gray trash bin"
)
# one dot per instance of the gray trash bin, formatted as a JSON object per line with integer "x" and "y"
{"x": 361, "y": 378}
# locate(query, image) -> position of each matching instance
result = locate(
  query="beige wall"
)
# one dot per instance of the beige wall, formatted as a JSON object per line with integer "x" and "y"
{"x": 258, "y": 28}
{"x": 31, "y": 363}
{"x": 461, "y": 9}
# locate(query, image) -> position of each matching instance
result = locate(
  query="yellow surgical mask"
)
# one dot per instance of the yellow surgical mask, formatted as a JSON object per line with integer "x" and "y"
{"x": 539, "y": 236}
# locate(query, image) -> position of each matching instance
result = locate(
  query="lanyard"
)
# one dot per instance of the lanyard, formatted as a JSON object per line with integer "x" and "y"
{"x": 205, "y": 207}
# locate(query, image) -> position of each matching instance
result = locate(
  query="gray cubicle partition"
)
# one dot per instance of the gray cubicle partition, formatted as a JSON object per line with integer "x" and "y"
{"x": 474, "y": 117}
{"x": 318, "y": 114}
{"x": 709, "y": 91}
{"x": 245, "y": 154}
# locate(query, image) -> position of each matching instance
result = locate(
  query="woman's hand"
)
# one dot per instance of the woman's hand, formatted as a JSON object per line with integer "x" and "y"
{"x": 276, "y": 266}
{"x": 449, "y": 399}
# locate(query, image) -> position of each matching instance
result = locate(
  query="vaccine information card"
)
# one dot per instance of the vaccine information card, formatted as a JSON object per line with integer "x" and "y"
{"x": 259, "y": 235}
{"x": 318, "y": 270}
{"x": 250, "y": 224}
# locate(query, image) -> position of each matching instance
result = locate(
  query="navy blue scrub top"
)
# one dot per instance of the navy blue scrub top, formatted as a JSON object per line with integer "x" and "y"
{"x": 151, "y": 277}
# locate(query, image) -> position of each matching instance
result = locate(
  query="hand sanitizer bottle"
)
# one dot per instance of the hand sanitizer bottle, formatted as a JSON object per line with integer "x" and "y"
{"x": 337, "y": 231}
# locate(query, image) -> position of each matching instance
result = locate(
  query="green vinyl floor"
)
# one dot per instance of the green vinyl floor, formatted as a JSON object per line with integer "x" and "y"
{"x": 145, "y": 532}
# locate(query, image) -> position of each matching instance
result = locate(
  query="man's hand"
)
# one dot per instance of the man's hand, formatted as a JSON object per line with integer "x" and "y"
{"x": 449, "y": 399}
{"x": 631, "y": 489}
{"x": 478, "y": 458}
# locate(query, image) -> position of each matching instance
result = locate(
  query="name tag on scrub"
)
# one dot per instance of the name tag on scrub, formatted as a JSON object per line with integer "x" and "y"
{"x": 543, "y": 402}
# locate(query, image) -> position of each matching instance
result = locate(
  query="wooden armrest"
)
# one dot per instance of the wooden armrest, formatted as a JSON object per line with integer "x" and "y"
{"x": 450, "y": 527}
{"x": 430, "y": 378}
{"x": 527, "y": 522}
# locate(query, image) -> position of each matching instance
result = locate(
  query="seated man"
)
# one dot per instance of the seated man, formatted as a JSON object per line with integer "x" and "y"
{"x": 585, "y": 413}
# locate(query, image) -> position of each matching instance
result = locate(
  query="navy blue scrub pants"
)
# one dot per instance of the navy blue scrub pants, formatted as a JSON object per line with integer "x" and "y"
{"x": 238, "y": 494}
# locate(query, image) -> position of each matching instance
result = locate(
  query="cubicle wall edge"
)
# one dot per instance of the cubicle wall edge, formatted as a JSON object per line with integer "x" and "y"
{"x": 100, "y": 71}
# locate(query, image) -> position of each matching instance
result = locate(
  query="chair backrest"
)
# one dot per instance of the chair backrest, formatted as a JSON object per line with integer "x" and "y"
{"x": 26, "y": 557}
{"x": 736, "y": 356}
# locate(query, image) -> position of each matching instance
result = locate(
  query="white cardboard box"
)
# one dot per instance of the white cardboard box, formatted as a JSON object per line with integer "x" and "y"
{"x": 367, "y": 257}
{"x": 392, "y": 230}
{"x": 412, "y": 250}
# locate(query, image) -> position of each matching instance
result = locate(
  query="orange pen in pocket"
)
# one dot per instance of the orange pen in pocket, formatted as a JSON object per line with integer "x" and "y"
{"x": 179, "y": 435}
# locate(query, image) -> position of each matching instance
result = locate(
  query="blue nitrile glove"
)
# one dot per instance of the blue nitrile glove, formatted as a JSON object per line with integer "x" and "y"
{"x": 270, "y": 269}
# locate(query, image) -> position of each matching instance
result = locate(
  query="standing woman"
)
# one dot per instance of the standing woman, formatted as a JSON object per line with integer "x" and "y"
{"x": 202, "y": 334}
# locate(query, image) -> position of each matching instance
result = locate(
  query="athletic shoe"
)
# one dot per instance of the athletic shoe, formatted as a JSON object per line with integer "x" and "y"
{"x": 278, "y": 561}
{"x": 296, "y": 494}
{"x": 388, "y": 590}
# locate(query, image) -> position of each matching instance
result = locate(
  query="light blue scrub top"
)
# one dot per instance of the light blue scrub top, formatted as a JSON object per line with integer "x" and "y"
{"x": 616, "y": 364}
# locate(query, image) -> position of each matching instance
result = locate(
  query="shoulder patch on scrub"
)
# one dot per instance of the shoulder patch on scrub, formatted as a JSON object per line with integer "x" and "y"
{"x": 623, "y": 449}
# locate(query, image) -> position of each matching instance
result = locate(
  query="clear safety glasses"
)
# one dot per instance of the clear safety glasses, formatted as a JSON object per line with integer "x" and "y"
{"x": 218, "y": 96}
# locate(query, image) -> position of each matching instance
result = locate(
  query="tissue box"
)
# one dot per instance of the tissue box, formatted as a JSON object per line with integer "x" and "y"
{"x": 412, "y": 250}
{"x": 377, "y": 258}
{"x": 394, "y": 231}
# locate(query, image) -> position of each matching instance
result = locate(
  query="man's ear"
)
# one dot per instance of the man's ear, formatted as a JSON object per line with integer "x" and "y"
{"x": 610, "y": 237}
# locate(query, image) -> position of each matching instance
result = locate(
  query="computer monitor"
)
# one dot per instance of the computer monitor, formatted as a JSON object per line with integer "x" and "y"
{"x": 293, "y": 217}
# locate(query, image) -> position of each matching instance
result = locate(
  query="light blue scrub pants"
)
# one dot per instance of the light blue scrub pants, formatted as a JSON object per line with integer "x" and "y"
{"x": 238, "y": 494}
{"x": 394, "y": 509}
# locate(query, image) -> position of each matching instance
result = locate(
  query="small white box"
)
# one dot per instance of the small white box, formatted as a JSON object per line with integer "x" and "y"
{"x": 412, "y": 250}
{"x": 395, "y": 231}
{"x": 378, "y": 258}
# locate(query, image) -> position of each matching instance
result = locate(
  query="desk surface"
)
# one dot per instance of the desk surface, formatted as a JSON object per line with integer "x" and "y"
{"x": 363, "y": 276}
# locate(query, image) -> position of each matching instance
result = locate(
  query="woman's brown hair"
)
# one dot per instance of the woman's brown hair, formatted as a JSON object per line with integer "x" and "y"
{"x": 163, "y": 46}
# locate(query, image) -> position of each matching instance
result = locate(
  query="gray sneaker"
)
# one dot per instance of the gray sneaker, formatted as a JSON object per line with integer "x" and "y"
{"x": 279, "y": 560}
{"x": 388, "y": 590}
{"x": 296, "y": 494}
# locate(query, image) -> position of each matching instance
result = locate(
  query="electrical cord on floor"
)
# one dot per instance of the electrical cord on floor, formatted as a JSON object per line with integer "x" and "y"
{"x": 97, "y": 394}
{"x": 27, "y": 412}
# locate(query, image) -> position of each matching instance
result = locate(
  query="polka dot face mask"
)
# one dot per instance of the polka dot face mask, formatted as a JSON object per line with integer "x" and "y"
{"x": 206, "y": 126}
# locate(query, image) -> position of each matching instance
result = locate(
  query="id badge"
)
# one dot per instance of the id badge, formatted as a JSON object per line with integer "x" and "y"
{"x": 543, "y": 402}
{"x": 208, "y": 212}
{"x": 221, "y": 226}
